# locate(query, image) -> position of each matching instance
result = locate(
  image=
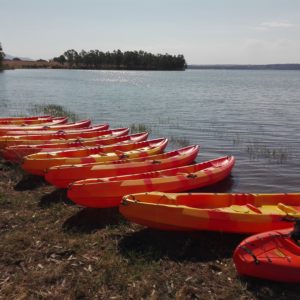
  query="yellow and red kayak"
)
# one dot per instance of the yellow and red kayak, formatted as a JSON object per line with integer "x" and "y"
{"x": 9, "y": 129}
{"x": 38, "y": 163}
{"x": 25, "y": 120}
{"x": 28, "y": 133}
{"x": 56, "y": 136}
{"x": 272, "y": 255}
{"x": 238, "y": 213}
{"x": 108, "y": 137}
{"x": 108, "y": 192}
{"x": 62, "y": 176}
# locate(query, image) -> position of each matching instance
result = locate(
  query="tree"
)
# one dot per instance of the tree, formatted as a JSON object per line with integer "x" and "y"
{"x": 71, "y": 56}
{"x": 131, "y": 60}
{"x": 1, "y": 55}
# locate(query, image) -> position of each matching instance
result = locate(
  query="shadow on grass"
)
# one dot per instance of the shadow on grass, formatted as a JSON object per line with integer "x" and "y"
{"x": 89, "y": 219}
{"x": 57, "y": 196}
{"x": 30, "y": 182}
{"x": 179, "y": 246}
{"x": 265, "y": 289}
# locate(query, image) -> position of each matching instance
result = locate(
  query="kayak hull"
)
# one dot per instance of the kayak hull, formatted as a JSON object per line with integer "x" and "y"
{"x": 234, "y": 213}
{"x": 91, "y": 192}
{"x": 104, "y": 138}
{"x": 61, "y": 177}
{"x": 272, "y": 255}
{"x": 39, "y": 163}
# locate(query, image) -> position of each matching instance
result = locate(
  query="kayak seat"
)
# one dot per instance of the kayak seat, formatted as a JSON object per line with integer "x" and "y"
{"x": 287, "y": 209}
{"x": 254, "y": 208}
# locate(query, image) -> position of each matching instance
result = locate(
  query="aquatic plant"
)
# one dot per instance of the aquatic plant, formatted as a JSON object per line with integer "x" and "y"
{"x": 257, "y": 150}
{"x": 140, "y": 127}
{"x": 54, "y": 110}
{"x": 179, "y": 141}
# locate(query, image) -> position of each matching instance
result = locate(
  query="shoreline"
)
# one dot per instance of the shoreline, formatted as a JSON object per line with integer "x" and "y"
{"x": 22, "y": 64}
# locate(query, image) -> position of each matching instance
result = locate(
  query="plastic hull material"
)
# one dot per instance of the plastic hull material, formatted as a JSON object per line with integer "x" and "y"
{"x": 109, "y": 137}
{"x": 38, "y": 163}
{"x": 64, "y": 175}
{"x": 108, "y": 192}
{"x": 236, "y": 213}
{"x": 6, "y": 130}
{"x": 272, "y": 255}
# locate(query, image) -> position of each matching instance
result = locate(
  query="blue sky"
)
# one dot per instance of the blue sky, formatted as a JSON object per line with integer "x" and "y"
{"x": 204, "y": 31}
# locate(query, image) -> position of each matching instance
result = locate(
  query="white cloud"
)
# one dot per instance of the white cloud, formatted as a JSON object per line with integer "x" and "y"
{"x": 273, "y": 25}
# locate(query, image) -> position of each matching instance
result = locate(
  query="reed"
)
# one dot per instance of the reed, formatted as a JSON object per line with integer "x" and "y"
{"x": 257, "y": 150}
{"x": 54, "y": 110}
{"x": 140, "y": 127}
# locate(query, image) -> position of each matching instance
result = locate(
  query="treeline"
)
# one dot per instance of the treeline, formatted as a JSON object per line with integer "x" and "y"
{"x": 129, "y": 60}
{"x": 1, "y": 56}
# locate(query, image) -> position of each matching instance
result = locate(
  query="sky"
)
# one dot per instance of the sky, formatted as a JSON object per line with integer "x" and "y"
{"x": 204, "y": 31}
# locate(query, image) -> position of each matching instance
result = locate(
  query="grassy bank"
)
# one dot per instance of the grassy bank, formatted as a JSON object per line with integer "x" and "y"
{"x": 52, "y": 249}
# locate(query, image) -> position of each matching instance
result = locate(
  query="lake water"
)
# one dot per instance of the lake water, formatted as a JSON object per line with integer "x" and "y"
{"x": 253, "y": 115}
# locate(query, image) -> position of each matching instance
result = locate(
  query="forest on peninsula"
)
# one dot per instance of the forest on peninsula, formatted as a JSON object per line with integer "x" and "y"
{"x": 128, "y": 60}
{"x": 1, "y": 56}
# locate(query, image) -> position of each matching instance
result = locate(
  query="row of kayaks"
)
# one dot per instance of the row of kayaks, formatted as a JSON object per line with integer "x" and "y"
{"x": 104, "y": 167}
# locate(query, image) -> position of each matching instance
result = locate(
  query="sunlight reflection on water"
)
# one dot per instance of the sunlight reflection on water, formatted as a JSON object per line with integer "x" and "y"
{"x": 253, "y": 115}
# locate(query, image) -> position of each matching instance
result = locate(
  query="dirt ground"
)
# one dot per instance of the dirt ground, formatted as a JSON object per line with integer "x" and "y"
{"x": 53, "y": 249}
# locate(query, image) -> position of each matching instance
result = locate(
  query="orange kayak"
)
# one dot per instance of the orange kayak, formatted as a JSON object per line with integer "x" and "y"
{"x": 9, "y": 129}
{"x": 272, "y": 255}
{"x": 58, "y": 136}
{"x": 38, "y": 163}
{"x": 108, "y": 192}
{"x": 108, "y": 137}
{"x": 24, "y": 133}
{"x": 25, "y": 120}
{"x": 236, "y": 213}
{"x": 62, "y": 176}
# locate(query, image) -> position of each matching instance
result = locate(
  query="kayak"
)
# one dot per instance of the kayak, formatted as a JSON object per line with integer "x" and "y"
{"x": 67, "y": 174}
{"x": 236, "y": 213}
{"x": 17, "y": 153}
{"x": 60, "y": 135}
{"x": 62, "y": 176}
{"x": 108, "y": 192}
{"x": 28, "y": 133}
{"x": 272, "y": 255}
{"x": 25, "y": 120}
{"x": 38, "y": 163}
{"x": 81, "y": 124}
{"x": 11, "y": 128}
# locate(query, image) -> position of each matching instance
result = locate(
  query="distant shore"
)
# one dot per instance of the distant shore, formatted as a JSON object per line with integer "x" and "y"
{"x": 43, "y": 64}
{"x": 246, "y": 67}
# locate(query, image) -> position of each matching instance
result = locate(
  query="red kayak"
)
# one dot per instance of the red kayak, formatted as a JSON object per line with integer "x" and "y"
{"x": 62, "y": 176}
{"x": 25, "y": 120}
{"x": 38, "y": 163}
{"x": 24, "y": 133}
{"x": 109, "y": 137}
{"x": 81, "y": 124}
{"x": 272, "y": 255}
{"x": 57, "y": 137}
{"x": 108, "y": 191}
{"x": 11, "y": 128}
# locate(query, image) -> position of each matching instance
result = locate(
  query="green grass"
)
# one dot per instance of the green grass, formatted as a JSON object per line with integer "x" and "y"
{"x": 54, "y": 110}
{"x": 140, "y": 127}
{"x": 53, "y": 249}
